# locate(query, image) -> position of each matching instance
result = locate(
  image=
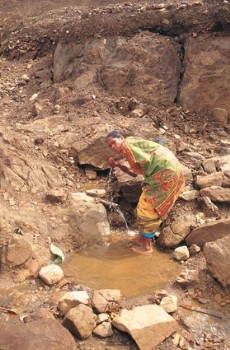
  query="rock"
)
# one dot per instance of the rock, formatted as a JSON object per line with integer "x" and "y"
{"x": 102, "y": 318}
{"x": 18, "y": 251}
{"x": 35, "y": 175}
{"x": 180, "y": 145}
{"x": 223, "y": 150}
{"x": 169, "y": 303}
{"x": 52, "y": 176}
{"x": 216, "y": 194}
{"x": 107, "y": 300}
{"x": 123, "y": 105}
{"x": 71, "y": 299}
{"x": 148, "y": 325}
{"x": 42, "y": 313}
{"x": 208, "y": 208}
{"x": 162, "y": 140}
{"x": 187, "y": 173}
{"x": 204, "y": 75}
{"x": 221, "y": 115}
{"x": 51, "y": 274}
{"x": 90, "y": 173}
{"x": 221, "y": 162}
{"x": 215, "y": 179}
{"x": 136, "y": 113}
{"x": 168, "y": 238}
{"x": 117, "y": 219}
{"x": 44, "y": 74}
{"x": 10, "y": 179}
{"x": 25, "y": 77}
{"x": 195, "y": 155}
{"x": 39, "y": 140}
{"x": 56, "y": 109}
{"x": 96, "y": 153}
{"x": 188, "y": 277}
{"x": 80, "y": 321}
{"x": 209, "y": 166}
{"x": 209, "y": 232}
{"x": 182, "y": 225}
{"x": 103, "y": 330}
{"x": 56, "y": 196}
{"x": 190, "y": 195}
{"x": 96, "y": 193}
{"x": 217, "y": 256}
{"x": 194, "y": 249}
{"x": 225, "y": 143}
{"x": 34, "y": 96}
{"x": 226, "y": 180}
{"x": 41, "y": 334}
{"x": 159, "y": 294}
{"x": 61, "y": 92}
{"x": 181, "y": 253}
{"x": 37, "y": 109}
{"x": 88, "y": 219}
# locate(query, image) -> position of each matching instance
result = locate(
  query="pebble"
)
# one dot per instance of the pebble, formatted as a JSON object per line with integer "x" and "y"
{"x": 33, "y": 97}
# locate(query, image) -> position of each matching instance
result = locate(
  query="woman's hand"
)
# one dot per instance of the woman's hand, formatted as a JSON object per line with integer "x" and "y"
{"x": 113, "y": 163}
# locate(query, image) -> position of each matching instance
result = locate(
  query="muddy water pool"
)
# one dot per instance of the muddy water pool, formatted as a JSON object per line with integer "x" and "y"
{"x": 113, "y": 266}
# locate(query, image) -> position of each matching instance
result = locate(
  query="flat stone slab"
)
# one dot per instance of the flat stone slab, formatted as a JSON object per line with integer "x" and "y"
{"x": 148, "y": 325}
{"x": 209, "y": 232}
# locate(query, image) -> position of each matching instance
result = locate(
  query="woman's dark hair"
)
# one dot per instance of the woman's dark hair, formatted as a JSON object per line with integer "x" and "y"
{"x": 115, "y": 134}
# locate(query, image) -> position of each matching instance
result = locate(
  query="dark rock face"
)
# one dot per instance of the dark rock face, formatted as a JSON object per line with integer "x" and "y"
{"x": 205, "y": 83}
{"x": 147, "y": 67}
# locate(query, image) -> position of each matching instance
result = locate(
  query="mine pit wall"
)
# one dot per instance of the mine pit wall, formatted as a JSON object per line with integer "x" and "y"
{"x": 200, "y": 30}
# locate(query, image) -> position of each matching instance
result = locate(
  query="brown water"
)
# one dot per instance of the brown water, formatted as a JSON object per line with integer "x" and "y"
{"x": 114, "y": 267}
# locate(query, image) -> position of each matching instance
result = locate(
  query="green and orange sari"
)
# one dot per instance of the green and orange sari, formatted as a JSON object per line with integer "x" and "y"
{"x": 163, "y": 182}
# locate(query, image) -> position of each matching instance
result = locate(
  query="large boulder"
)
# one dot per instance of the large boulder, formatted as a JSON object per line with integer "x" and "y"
{"x": 18, "y": 251}
{"x": 41, "y": 334}
{"x": 80, "y": 321}
{"x": 88, "y": 219}
{"x": 209, "y": 232}
{"x": 217, "y": 256}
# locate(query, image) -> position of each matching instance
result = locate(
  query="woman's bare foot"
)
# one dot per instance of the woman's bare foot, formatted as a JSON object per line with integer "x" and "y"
{"x": 137, "y": 240}
{"x": 140, "y": 250}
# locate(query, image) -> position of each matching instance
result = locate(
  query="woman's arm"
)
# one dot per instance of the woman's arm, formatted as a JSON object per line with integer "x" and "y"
{"x": 127, "y": 170}
{"x": 114, "y": 163}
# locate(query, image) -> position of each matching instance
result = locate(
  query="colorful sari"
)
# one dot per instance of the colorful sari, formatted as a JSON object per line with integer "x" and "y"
{"x": 163, "y": 182}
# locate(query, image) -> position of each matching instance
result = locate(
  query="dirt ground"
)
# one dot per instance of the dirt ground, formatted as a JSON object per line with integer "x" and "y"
{"x": 198, "y": 132}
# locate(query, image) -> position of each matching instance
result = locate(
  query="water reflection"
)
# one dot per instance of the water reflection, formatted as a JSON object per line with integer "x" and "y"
{"x": 114, "y": 266}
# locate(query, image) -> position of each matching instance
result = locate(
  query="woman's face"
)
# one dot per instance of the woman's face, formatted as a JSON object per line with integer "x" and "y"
{"x": 115, "y": 143}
